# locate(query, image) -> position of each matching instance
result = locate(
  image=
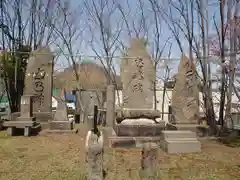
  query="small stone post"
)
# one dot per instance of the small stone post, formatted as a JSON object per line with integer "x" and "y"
{"x": 149, "y": 160}
{"x": 94, "y": 151}
{"x": 110, "y": 115}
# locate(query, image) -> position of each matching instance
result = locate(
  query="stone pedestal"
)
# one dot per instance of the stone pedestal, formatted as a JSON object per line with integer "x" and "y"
{"x": 175, "y": 142}
{"x": 200, "y": 130}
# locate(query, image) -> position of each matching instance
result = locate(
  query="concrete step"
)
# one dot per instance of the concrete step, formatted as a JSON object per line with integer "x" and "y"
{"x": 131, "y": 142}
{"x": 178, "y": 134}
{"x": 176, "y": 146}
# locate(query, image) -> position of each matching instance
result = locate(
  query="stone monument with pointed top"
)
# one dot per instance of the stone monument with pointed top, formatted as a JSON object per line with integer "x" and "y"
{"x": 185, "y": 112}
{"x": 185, "y": 95}
{"x": 38, "y": 83}
{"x": 137, "y": 116}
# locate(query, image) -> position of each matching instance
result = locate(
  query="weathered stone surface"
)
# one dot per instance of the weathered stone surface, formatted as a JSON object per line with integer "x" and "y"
{"x": 110, "y": 115}
{"x": 61, "y": 125}
{"x": 61, "y": 113}
{"x": 185, "y": 95}
{"x": 26, "y": 106}
{"x": 177, "y": 146}
{"x": 149, "y": 160}
{"x": 174, "y": 142}
{"x": 138, "y": 121}
{"x": 89, "y": 98}
{"x": 139, "y": 130}
{"x": 137, "y": 113}
{"x": 94, "y": 155}
{"x": 132, "y": 142}
{"x": 38, "y": 79}
{"x": 200, "y": 130}
{"x": 138, "y": 77}
{"x": 41, "y": 117}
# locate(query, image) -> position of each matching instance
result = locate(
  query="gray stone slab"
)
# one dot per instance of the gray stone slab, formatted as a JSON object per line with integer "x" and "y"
{"x": 57, "y": 131}
{"x": 178, "y": 146}
{"x": 178, "y": 134}
{"x": 41, "y": 117}
{"x": 20, "y": 124}
{"x": 139, "y": 130}
{"x": 61, "y": 125}
{"x": 61, "y": 113}
{"x": 200, "y": 130}
{"x": 131, "y": 142}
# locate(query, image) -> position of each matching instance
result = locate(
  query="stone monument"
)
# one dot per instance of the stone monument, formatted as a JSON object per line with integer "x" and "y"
{"x": 137, "y": 116}
{"x": 185, "y": 112}
{"x": 38, "y": 83}
{"x": 60, "y": 122}
{"x": 26, "y": 121}
{"x": 185, "y": 95}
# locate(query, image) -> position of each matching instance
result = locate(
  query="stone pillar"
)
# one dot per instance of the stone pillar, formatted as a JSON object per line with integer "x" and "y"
{"x": 94, "y": 155}
{"x": 149, "y": 160}
{"x": 110, "y": 115}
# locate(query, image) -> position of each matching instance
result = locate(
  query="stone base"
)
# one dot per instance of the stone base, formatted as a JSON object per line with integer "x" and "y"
{"x": 28, "y": 126}
{"x": 200, "y": 130}
{"x": 57, "y": 131}
{"x": 61, "y": 125}
{"x": 131, "y": 142}
{"x": 175, "y": 142}
{"x": 140, "y": 130}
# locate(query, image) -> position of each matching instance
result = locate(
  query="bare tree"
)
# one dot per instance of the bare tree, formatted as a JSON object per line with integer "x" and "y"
{"x": 24, "y": 27}
{"x": 105, "y": 30}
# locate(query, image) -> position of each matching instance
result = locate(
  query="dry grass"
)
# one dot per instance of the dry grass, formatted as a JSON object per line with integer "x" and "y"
{"x": 59, "y": 157}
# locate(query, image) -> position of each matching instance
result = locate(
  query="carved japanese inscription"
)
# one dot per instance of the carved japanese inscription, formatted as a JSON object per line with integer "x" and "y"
{"x": 38, "y": 86}
{"x": 38, "y": 79}
{"x": 137, "y": 74}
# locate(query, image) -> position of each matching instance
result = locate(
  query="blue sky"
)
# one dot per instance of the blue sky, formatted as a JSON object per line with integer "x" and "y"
{"x": 86, "y": 50}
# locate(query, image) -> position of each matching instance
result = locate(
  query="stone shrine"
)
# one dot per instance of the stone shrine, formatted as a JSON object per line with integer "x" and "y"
{"x": 60, "y": 122}
{"x": 137, "y": 117}
{"x": 38, "y": 83}
{"x": 26, "y": 121}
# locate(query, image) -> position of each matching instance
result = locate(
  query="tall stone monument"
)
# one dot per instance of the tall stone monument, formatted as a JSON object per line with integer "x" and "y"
{"x": 185, "y": 96}
{"x": 185, "y": 110}
{"x": 38, "y": 79}
{"x": 137, "y": 117}
{"x": 138, "y": 76}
